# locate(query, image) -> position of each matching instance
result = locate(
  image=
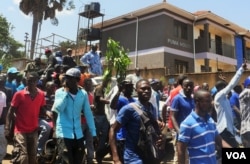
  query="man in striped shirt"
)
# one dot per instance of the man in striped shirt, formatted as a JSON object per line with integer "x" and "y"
{"x": 198, "y": 133}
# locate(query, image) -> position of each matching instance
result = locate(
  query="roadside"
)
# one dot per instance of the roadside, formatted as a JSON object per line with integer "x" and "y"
{"x": 108, "y": 160}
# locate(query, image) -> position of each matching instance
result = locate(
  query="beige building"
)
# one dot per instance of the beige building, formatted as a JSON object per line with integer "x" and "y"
{"x": 171, "y": 40}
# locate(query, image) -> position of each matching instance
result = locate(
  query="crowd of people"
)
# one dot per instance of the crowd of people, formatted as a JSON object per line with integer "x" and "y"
{"x": 61, "y": 101}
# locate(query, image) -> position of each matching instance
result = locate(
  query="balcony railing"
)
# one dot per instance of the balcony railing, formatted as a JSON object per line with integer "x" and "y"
{"x": 215, "y": 47}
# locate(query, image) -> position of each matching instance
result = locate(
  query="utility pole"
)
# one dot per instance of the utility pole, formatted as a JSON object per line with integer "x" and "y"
{"x": 26, "y": 40}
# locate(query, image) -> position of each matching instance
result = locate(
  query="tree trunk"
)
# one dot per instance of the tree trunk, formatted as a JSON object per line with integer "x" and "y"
{"x": 34, "y": 34}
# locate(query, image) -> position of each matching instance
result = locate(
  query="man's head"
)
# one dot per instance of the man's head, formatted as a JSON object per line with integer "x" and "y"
{"x": 143, "y": 90}
{"x": 72, "y": 76}
{"x": 220, "y": 85}
{"x": 37, "y": 61}
{"x": 155, "y": 84}
{"x": 181, "y": 78}
{"x": 69, "y": 51}
{"x": 188, "y": 87}
{"x": 94, "y": 47}
{"x": 2, "y": 80}
{"x": 203, "y": 101}
{"x": 48, "y": 52}
{"x": 205, "y": 86}
{"x": 32, "y": 79}
{"x": 12, "y": 73}
{"x": 247, "y": 82}
{"x": 127, "y": 87}
{"x": 88, "y": 85}
{"x": 137, "y": 71}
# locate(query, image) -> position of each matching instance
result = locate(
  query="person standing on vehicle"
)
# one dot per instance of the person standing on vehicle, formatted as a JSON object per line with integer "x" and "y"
{"x": 68, "y": 59}
{"x": 70, "y": 102}
{"x": 92, "y": 60}
{"x": 26, "y": 105}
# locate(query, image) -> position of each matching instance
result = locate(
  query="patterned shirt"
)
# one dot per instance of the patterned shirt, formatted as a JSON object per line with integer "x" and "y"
{"x": 199, "y": 134}
{"x": 245, "y": 110}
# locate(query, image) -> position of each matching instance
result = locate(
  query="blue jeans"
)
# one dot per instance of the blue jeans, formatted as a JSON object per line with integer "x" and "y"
{"x": 44, "y": 134}
{"x": 102, "y": 130}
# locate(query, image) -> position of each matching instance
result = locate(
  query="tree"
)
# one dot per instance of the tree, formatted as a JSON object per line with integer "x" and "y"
{"x": 8, "y": 45}
{"x": 117, "y": 61}
{"x": 42, "y": 9}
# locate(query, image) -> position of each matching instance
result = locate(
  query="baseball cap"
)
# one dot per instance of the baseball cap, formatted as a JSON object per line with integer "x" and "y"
{"x": 153, "y": 81}
{"x": 127, "y": 82}
{"x": 73, "y": 72}
{"x": 69, "y": 49}
{"x": 47, "y": 50}
{"x": 12, "y": 70}
{"x": 247, "y": 82}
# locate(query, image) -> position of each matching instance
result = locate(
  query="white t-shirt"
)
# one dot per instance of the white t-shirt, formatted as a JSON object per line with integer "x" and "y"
{"x": 2, "y": 101}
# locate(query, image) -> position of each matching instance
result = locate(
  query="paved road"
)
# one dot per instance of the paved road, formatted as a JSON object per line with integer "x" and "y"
{"x": 107, "y": 160}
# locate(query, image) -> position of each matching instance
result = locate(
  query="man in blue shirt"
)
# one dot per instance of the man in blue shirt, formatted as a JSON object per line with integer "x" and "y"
{"x": 70, "y": 102}
{"x": 92, "y": 60}
{"x": 122, "y": 98}
{"x": 130, "y": 119}
{"x": 198, "y": 133}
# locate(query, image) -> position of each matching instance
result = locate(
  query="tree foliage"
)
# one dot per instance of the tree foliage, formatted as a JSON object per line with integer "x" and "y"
{"x": 8, "y": 45}
{"x": 42, "y": 10}
{"x": 117, "y": 60}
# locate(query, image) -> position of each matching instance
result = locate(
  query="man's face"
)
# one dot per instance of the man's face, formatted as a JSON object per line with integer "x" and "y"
{"x": 144, "y": 91}
{"x": 70, "y": 52}
{"x": 31, "y": 80}
{"x": 205, "y": 104}
{"x": 70, "y": 82}
{"x": 94, "y": 48}
{"x": 188, "y": 87}
{"x": 128, "y": 89}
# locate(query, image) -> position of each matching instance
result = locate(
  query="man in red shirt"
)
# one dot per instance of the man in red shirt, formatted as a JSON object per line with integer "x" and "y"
{"x": 26, "y": 106}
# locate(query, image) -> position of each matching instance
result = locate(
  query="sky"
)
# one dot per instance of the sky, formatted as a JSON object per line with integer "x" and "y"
{"x": 236, "y": 11}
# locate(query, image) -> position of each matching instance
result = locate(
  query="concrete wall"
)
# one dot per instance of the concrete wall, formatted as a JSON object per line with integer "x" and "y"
{"x": 198, "y": 78}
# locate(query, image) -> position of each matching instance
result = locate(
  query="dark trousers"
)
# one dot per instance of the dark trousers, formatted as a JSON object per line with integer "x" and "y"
{"x": 229, "y": 138}
{"x": 70, "y": 151}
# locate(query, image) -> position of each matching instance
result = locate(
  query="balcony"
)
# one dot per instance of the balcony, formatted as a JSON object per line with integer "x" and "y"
{"x": 222, "y": 49}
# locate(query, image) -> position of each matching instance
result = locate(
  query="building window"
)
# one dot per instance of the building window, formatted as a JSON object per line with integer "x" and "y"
{"x": 203, "y": 69}
{"x": 180, "y": 30}
{"x": 181, "y": 66}
{"x": 202, "y": 35}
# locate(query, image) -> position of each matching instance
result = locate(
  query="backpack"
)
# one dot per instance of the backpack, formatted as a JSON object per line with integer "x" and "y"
{"x": 148, "y": 136}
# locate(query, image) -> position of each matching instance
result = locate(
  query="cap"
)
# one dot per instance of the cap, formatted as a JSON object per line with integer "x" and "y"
{"x": 69, "y": 49}
{"x": 47, "y": 50}
{"x": 247, "y": 82}
{"x": 153, "y": 81}
{"x": 127, "y": 82}
{"x": 73, "y": 72}
{"x": 58, "y": 54}
{"x": 12, "y": 70}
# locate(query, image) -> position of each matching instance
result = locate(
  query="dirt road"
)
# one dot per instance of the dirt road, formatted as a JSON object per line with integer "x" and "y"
{"x": 107, "y": 160}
